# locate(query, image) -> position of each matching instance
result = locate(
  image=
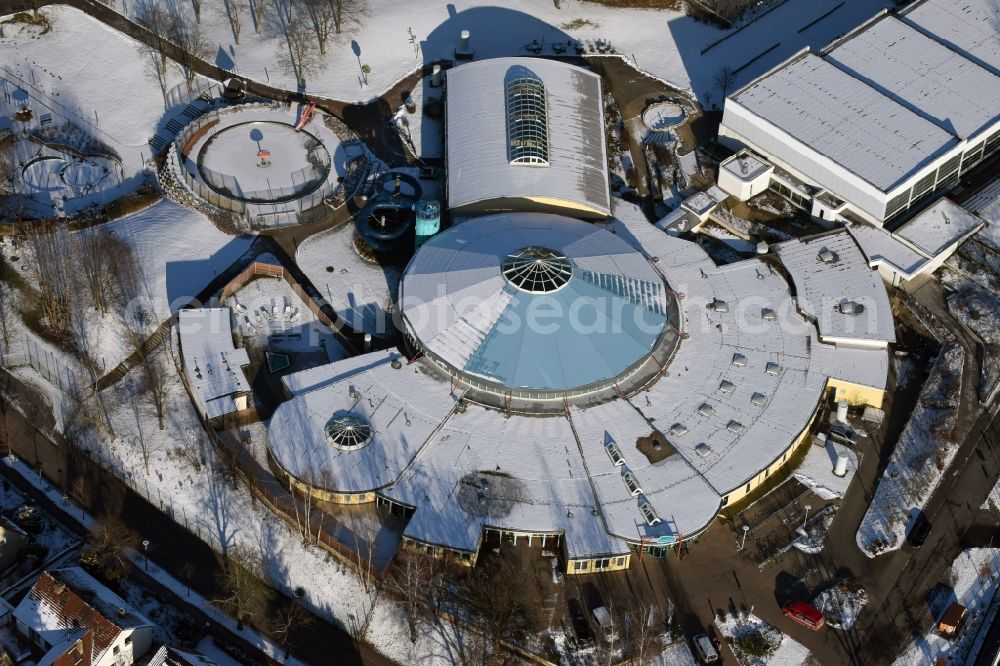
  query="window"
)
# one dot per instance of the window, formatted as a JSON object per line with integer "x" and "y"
{"x": 527, "y": 121}
{"x": 579, "y": 566}
{"x": 725, "y": 501}
{"x": 117, "y": 649}
{"x": 619, "y": 561}
{"x": 602, "y": 563}
{"x": 924, "y": 185}
{"x": 897, "y": 203}
{"x": 748, "y": 488}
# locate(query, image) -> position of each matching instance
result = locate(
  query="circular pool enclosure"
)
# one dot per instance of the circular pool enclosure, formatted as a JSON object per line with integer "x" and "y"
{"x": 263, "y": 161}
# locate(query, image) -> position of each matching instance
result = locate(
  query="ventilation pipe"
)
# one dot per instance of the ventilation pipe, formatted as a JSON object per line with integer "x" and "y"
{"x": 840, "y": 464}
{"x": 842, "y": 411}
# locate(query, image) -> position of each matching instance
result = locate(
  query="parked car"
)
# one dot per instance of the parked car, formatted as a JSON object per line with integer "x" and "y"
{"x": 805, "y": 614}
{"x": 919, "y": 530}
{"x": 706, "y": 652}
{"x": 844, "y": 434}
{"x": 607, "y": 626}
{"x": 952, "y": 621}
{"x": 580, "y": 626}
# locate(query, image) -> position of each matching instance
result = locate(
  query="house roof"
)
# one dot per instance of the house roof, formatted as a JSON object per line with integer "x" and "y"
{"x": 479, "y": 159}
{"x": 212, "y": 364}
{"x": 67, "y": 605}
{"x": 938, "y": 227}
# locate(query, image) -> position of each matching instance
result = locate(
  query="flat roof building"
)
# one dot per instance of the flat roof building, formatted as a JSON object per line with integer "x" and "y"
{"x": 526, "y": 134}
{"x": 881, "y": 119}
{"x": 213, "y": 366}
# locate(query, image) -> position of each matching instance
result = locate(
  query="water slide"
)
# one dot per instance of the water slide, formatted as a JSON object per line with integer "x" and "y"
{"x": 306, "y": 115}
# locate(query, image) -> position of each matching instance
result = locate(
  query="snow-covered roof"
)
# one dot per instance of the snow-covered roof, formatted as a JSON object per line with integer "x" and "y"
{"x": 744, "y": 165}
{"x": 310, "y": 379}
{"x": 465, "y": 468}
{"x": 472, "y": 297}
{"x": 65, "y": 604}
{"x": 844, "y": 119}
{"x": 881, "y": 247}
{"x": 968, "y": 26}
{"x": 831, "y": 275}
{"x": 212, "y": 364}
{"x": 701, "y": 203}
{"x": 939, "y": 227}
{"x": 478, "y": 141}
{"x": 922, "y": 74}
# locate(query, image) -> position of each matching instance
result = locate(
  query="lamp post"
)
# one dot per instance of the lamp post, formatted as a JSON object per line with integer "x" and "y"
{"x": 746, "y": 530}
{"x": 145, "y": 554}
{"x": 806, "y": 518}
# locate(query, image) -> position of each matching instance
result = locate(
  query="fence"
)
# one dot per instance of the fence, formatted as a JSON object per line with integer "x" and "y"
{"x": 258, "y": 268}
{"x": 46, "y": 364}
{"x": 214, "y": 187}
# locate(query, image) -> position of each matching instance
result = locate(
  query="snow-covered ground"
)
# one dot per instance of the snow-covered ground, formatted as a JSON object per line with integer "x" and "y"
{"x": 919, "y": 460}
{"x": 397, "y": 36}
{"x": 973, "y": 578}
{"x": 92, "y": 76}
{"x": 361, "y": 293}
{"x": 783, "y": 650}
{"x": 424, "y": 128}
{"x": 992, "y": 501}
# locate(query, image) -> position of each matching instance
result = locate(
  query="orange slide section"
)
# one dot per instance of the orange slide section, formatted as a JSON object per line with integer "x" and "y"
{"x": 306, "y": 115}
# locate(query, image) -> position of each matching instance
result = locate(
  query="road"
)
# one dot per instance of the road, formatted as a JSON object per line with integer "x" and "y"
{"x": 30, "y": 437}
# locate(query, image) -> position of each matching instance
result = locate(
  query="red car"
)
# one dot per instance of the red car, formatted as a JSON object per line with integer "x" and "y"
{"x": 804, "y": 614}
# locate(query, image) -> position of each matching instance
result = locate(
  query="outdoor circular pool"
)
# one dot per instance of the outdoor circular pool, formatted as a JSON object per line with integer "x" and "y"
{"x": 263, "y": 161}
{"x": 663, "y": 116}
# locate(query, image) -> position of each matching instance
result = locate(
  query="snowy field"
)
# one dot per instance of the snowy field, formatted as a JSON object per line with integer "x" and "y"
{"x": 88, "y": 74}
{"x": 972, "y": 581}
{"x": 783, "y": 650}
{"x": 361, "y": 293}
{"x": 919, "y": 460}
{"x": 397, "y": 36}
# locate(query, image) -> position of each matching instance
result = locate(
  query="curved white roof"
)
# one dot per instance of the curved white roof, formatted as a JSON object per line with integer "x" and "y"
{"x": 464, "y": 470}
{"x": 575, "y": 169}
{"x": 579, "y": 292}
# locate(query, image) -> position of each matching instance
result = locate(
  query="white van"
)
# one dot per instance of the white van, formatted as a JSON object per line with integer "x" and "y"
{"x": 706, "y": 651}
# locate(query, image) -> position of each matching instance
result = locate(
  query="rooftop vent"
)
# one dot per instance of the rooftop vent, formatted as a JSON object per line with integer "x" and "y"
{"x": 772, "y": 368}
{"x": 706, "y": 409}
{"x": 703, "y": 449}
{"x": 735, "y": 426}
{"x": 649, "y": 514}
{"x": 767, "y": 314}
{"x": 758, "y": 399}
{"x": 631, "y": 483}
{"x": 720, "y": 306}
{"x": 726, "y": 387}
{"x": 614, "y": 454}
{"x": 739, "y": 360}
{"x": 827, "y": 256}
{"x": 678, "y": 429}
{"x": 850, "y": 308}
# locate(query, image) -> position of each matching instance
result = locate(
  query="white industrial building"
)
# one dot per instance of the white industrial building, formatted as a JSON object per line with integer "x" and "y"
{"x": 526, "y": 134}
{"x": 876, "y": 123}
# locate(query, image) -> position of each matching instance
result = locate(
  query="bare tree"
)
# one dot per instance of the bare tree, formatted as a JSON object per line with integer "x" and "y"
{"x": 724, "y": 79}
{"x": 196, "y": 4}
{"x": 246, "y": 595}
{"x": 156, "y": 381}
{"x": 414, "y": 577}
{"x": 109, "y": 543}
{"x": 4, "y": 328}
{"x": 498, "y": 595}
{"x": 194, "y": 47}
{"x": 349, "y": 13}
{"x": 159, "y": 19}
{"x": 324, "y": 20}
{"x": 100, "y": 257}
{"x": 233, "y": 10}
{"x": 298, "y": 56}
{"x": 54, "y": 274}
{"x": 257, "y": 8}
{"x": 290, "y": 617}
{"x": 8, "y": 162}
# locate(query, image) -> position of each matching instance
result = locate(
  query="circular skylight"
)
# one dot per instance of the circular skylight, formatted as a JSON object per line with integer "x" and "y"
{"x": 349, "y": 432}
{"x": 537, "y": 270}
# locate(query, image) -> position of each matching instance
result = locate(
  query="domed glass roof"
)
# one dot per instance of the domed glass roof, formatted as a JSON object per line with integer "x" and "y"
{"x": 535, "y": 302}
{"x": 349, "y": 432}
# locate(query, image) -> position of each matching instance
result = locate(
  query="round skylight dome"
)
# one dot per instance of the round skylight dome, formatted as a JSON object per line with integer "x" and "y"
{"x": 537, "y": 270}
{"x": 349, "y": 432}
